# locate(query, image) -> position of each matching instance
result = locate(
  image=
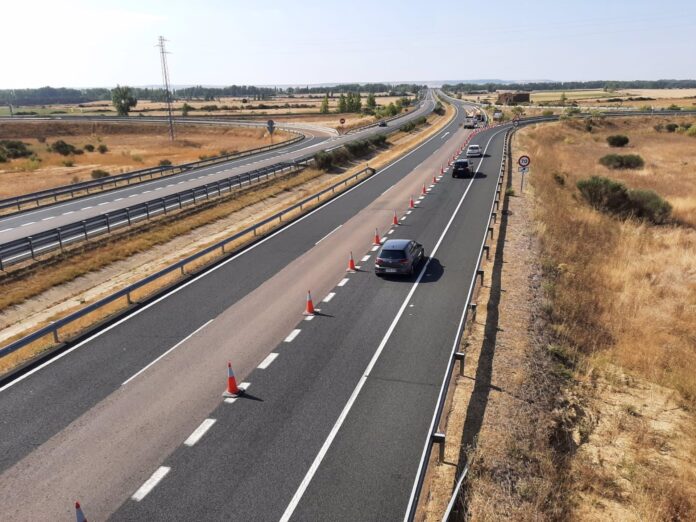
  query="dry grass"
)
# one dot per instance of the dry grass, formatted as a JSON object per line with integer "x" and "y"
{"x": 155, "y": 233}
{"x": 622, "y": 294}
{"x": 131, "y": 146}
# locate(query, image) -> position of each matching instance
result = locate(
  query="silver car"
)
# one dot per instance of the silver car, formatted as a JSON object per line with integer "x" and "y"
{"x": 474, "y": 151}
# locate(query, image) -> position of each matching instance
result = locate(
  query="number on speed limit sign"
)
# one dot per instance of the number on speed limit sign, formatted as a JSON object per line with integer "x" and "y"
{"x": 524, "y": 161}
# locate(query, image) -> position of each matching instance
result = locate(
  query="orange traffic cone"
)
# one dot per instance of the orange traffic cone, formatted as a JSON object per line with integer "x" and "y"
{"x": 395, "y": 220}
{"x": 377, "y": 240}
{"x": 411, "y": 204}
{"x": 309, "y": 310}
{"x": 78, "y": 512}
{"x": 232, "y": 389}
{"x": 351, "y": 264}
{"x": 442, "y": 169}
{"x": 434, "y": 179}
{"x": 424, "y": 190}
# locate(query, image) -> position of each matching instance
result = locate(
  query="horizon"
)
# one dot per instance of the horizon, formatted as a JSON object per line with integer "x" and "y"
{"x": 230, "y": 43}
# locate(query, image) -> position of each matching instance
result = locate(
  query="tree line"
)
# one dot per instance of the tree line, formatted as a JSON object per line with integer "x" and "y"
{"x": 607, "y": 85}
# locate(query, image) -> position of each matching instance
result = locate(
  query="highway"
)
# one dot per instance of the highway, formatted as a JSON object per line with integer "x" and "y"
{"x": 131, "y": 421}
{"x": 32, "y": 222}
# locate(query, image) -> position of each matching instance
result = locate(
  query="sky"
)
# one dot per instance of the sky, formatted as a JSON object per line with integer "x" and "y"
{"x": 80, "y": 43}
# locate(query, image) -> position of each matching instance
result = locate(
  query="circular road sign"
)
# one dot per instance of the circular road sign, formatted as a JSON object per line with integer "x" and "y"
{"x": 342, "y": 120}
{"x": 524, "y": 161}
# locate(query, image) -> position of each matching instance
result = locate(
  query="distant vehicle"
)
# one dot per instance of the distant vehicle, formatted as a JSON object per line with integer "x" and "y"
{"x": 382, "y": 124}
{"x": 479, "y": 116}
{"x": 461, "y": 168}
{"x": 469, "y": 122}
{"x": 399, "y": 256}
{"x": 474, "y": 151}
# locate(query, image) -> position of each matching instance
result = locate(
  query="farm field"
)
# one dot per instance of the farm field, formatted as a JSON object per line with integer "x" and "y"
{"x": 129, "y": 146}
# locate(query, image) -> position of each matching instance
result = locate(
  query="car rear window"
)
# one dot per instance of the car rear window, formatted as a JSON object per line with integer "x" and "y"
{"x": 392, "y": 254}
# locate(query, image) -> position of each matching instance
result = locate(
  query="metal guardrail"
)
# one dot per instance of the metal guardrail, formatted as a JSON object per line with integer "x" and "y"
{"x": 53, "y": 328}
{"x": 436, "y": 437}
{"x": 115, "y": 181}
{"x": 29, "y": 247}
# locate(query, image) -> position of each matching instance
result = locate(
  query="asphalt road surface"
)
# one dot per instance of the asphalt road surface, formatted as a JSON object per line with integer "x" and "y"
{"x": 132, "y": 422}
{"x": 28, "y": 223}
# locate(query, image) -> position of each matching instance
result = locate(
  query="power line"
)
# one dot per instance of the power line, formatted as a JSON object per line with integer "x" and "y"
{"x": 165, "y": 79}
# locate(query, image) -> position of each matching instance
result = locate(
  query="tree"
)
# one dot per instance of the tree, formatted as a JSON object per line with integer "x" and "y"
{"x": 123, "y": 100}
{"x": 324, "y": 109}
{"x": 342, "y": 105}
{"x": 371, "y": 102}
{"x": 185, "y": 108}
{"x": 564, "y": 98}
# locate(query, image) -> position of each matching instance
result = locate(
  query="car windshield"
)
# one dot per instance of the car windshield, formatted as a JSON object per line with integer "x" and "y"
{"x": 392, "y": 254}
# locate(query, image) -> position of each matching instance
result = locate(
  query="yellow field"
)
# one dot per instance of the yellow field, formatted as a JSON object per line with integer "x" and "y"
{"x": 130, "y": 146}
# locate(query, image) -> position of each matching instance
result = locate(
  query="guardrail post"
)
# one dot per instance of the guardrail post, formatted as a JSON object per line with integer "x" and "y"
{"x": 439, "y": 439}
{"x": 487, "y": 250}
{"x": 473, "y": 311}
{"x": 460, "y": 356}
{"x": 31, "y": 247}
{"x": 494, "y": 215}
{"x": 128, "y": 216}
{"x": 56, "y": 339}
{"x": 480, "y": 273}
{"x": 128, "y": 298}
{"x": 490, "y": 231}
{"x": 496, "y": 204}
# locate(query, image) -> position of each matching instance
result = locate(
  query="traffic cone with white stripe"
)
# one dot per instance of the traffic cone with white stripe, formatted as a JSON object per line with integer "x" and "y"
{"x": 79, "y": 514}
{"x": 434, "y": 179}
{"x": 395, "y": 220}
{"x": 442, "y": 169}
{"x": 411, "y": 204}
{"x": 351, "y": 264}
{"x": 377, "y": 240}
{"x": 232, "y": 389}
{"x": 309, "y": 309}
{"x": 424, "y": 191}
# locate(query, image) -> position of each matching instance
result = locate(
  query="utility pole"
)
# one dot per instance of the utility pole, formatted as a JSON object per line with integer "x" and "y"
{"x": 165, "y": 79}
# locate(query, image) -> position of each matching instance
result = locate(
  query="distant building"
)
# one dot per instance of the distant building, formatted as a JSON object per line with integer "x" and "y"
{"x": 511, "y": 98}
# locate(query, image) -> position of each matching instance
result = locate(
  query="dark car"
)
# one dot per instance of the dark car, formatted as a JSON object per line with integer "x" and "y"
{"x": 382, "y": 124}
{"x": 461, "y": 168}
{"x": 399, "y": 256}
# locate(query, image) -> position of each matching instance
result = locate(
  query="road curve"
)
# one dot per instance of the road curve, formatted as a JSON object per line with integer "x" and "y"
{"x": 28, "y": 223}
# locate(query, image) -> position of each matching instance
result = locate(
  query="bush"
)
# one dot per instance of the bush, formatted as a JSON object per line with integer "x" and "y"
{"x": 547, "y": 112}
{"x": 89, "y": 147}
{"x": 671, "y": 127}
{"x": 3, "y": 158}
{"x": 358, "y": 148}
{"x": 685, "y": 126}
{"x": 617, "y": 140}
{"x": 617, "y": 161}
{"x": 68, "y": 163}
{"x": 98, "y": 174}
{"x": 165, "y": 163}
{"x": 659, "y": 127}
{"x": 439, "y": 109}
{"x": 102, "y": 148}
{"x": 691, "y": 131}
{"x": 14, "y": 149}
{"x": 510, "y": 192}
{"x": 674, "y": 107}
{"x": 610, "y": 196}
{"x": 324, "y": 160}
{"x": 63, "y": 148}
{"x": 407, "y": 127}
{"x": 378, "y": 140}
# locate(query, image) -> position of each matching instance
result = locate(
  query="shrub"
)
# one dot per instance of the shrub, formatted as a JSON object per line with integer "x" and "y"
{"x": 610, "y": 196}
{"x": 659, "y": 127}
{"x": 137, "y": 158}
{"x": 324, "y": 160}
{"x": 691, "y": 131}
{"x": 617, "y": 161}
{"x": 685, "y": 126}
{"x": 617, "y": 140}
{"x": 674, "y": 107}
{"x": 165, "y": 163}
{"x": 3, "y": 158}
{"x": 89, "y": 147}
{"x": 98, "y": 174}
{"x": 68, "y": 163}
{"x": 646, "y": 204}
{"x": 378, "y": 140}
{"x": 358, "y": 148}
{"x": 439, "y": 109}
{"x": 407, "y": 127}
{"x": 63, "y": 148}
{"x": 510, "y": 191}
{"x": 102, "y": 148}
{"x": 671, "y": 127}
{"x": 547, "y": 112}
{"x": 14, "y": 149}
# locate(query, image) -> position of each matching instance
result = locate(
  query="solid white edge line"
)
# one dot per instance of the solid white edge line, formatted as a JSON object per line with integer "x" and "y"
{"x": 217, "y": 267}
{"x": 199, "y": 432}
{"x": 167, "y": 352}
{"x": 150, "y": 483}
{"x": 267, "y": 361}
{"x": 442, "y": 387}
{"x": 327, "y": 235}
{"x": 290, "y": 338}
{"x": 346, "y": 409}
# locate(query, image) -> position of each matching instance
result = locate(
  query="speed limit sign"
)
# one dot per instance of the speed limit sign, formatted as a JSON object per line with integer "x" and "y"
{"x": 342, "y": 120}
{"x": 524, "y": 161}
